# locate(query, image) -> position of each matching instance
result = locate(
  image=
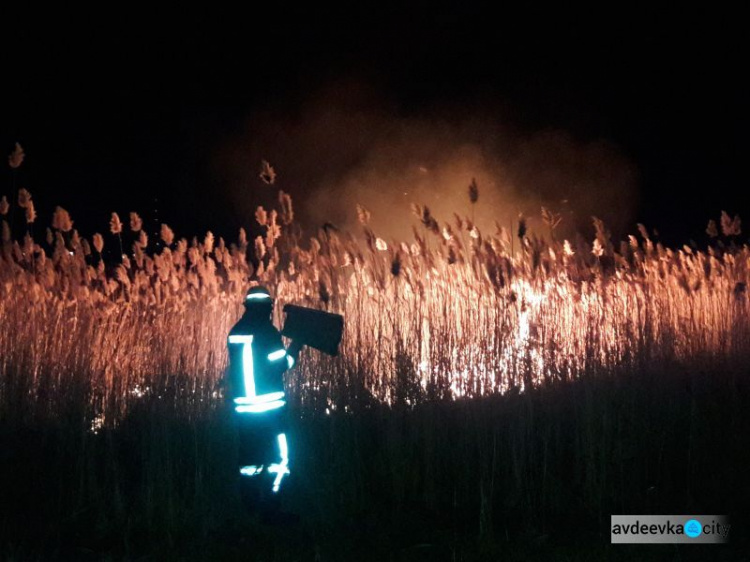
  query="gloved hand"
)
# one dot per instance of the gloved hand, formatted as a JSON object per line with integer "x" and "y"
{"x": 294, "y": 349}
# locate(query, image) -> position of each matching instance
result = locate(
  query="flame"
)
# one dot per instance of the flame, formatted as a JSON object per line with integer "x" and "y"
{"x": 445, "y": 315}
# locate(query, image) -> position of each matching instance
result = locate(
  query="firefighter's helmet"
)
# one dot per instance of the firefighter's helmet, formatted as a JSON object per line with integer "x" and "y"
{"x": 258, "y": 296}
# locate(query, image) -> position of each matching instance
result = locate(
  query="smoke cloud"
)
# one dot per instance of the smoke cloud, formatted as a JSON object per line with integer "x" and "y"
{"x": 347, "y": 146}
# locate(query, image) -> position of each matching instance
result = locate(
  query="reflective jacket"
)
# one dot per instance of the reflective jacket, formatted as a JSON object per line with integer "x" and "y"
{"x": 257, "y": 360}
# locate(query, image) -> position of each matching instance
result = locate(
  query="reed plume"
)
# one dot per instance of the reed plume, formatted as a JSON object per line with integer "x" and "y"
{"x": 451, "y": 312}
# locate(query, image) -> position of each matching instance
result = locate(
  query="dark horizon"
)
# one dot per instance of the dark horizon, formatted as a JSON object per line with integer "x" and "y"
{"x": 113, "y": 118}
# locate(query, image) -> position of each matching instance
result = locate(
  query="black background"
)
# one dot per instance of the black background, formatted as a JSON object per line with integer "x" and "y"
{"x": 118, "y": 109}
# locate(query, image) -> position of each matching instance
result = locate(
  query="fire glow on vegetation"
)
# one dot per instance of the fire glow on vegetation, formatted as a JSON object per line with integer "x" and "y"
{"x": 346, "y": 143}
{"x": 452, "y": 312}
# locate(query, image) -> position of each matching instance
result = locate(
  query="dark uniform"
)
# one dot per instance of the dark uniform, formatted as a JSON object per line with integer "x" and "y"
{"x": 257, "y": 361}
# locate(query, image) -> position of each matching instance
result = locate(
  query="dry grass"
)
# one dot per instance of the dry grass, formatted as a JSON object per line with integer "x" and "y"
{"x": 453, "y": 312}
{"x": 137, "y": 341}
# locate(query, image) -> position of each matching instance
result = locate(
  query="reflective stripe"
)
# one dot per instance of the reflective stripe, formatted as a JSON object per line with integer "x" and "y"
{"x": 251, "y": 470}
{"x": 240, "y": 339}
{"x": 290, "y": 361}
{"x": 259, "y": 408}
{"x": 276, "y": 355}
{"x": 257, "y": 297}
{"x": 282, "y": 468}
{"x": 283, "y": 448}
{"x": 248, "y": 372}
{"x": 270, "y": 397}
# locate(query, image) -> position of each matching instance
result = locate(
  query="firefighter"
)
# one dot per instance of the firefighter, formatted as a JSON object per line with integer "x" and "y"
{"x": 257, "y": 361}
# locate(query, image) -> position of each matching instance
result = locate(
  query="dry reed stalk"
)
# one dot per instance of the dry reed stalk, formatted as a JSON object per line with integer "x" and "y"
{"x": 430, "y": 318}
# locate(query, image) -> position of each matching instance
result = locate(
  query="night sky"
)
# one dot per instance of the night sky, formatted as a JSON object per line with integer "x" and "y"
{"x": 140, "y": 107}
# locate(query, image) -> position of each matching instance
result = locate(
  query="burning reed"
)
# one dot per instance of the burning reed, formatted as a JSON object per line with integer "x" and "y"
{"x": 453, "y": 312}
